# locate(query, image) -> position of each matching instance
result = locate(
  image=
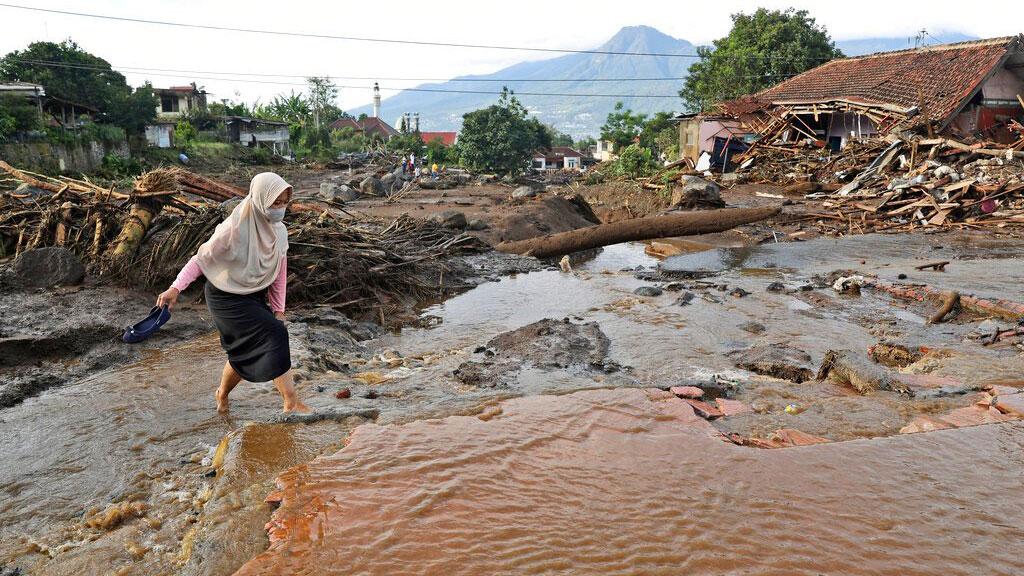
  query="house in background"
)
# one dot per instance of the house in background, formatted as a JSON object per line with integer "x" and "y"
{"x": 964, "y": 89}
{"x": 602, "y": 151}
{"x": 370, "y": 126}
{"x": 257, "y": 133}
{"x": 172, "y": 103}
{"x": 35, "y": 93}
{"x": 557, "y": 158}
{"x": 448, "y": 139}
{"x": 178, "y": 100}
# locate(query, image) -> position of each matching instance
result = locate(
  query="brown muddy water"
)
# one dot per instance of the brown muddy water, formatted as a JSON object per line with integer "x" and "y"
{"x": 631, "y": 482}
{"x": 130, "y": 471}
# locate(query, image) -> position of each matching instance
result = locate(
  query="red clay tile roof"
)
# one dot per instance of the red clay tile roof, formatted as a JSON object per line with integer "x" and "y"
{"x": 374, "y": 125}
{"x": 943, "y": 76}
{"x": 345, "y": 123}
{"x": 447, "y": 138}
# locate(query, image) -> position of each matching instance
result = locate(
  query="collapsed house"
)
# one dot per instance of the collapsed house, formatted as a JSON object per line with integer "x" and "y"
{"x": 967, "y": 90}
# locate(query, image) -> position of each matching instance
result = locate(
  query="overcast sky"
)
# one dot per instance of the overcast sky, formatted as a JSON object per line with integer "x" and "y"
{"x": 575, "y": 25}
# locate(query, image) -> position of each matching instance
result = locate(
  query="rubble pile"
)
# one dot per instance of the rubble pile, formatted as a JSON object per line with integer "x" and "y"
{"x": 899, "y": 183}
{"x": 142, "y": 237}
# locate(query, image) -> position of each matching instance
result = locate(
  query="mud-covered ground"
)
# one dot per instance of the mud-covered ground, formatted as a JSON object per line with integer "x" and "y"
{"x": 116, "y": 462}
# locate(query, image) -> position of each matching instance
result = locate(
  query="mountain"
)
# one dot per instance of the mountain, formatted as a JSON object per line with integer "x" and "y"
{"x": 576, "y": 115}
{"x": 862, "y": 46}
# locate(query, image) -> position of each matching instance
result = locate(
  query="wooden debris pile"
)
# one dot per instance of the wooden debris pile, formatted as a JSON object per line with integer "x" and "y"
{"x": 144, "y": 236}
{"x": 928, "y": 182}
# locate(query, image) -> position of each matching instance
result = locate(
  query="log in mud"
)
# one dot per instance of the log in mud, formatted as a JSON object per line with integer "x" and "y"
{"x": 682, "y": 224}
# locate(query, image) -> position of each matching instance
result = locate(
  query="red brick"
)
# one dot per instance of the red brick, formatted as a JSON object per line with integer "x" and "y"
{"x": 924, "y": 424}
{"x": 704, "y": 410}
{"x": 973, "y": 416}
{"x": 686, "y": 391}
{"x": 732, "y": 407}
{"x": 1010, "y": 404}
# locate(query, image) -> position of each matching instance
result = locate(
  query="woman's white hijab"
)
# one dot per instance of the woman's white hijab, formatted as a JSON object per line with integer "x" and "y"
{"x": 244, "y": 253}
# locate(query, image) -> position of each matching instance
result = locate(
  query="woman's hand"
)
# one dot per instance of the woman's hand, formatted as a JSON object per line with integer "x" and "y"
{"x": 168, "y": 298}
{"x": 279, "y": 316}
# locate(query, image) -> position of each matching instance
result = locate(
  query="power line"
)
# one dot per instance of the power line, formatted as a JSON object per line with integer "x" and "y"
{"x": 201, "y": 75}
{"x": 378, "y": 40}
{"x": 339, "y": 77}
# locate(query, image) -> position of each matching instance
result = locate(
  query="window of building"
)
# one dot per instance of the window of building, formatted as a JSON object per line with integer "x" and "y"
{"x": 168, "y": 103}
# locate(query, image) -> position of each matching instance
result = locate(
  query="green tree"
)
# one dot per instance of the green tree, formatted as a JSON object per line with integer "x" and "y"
{"x": 407, "y": 143}
{"x": 17, "y": 114}
{"x": 761, "y": 50}
{"x": 622, "y": 127}
{"x": 322, "y": 97}
{"x": 230, "y": 109}
{"x": 501, "y": 137}
{"x": 70, "y": 73}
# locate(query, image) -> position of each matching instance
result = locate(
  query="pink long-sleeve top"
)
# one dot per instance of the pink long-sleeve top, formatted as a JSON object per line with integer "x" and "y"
{"x": 275, "y": 293}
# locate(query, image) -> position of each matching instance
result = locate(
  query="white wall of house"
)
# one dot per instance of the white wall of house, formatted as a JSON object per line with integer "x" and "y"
{"x": 160, "y": 135}
{"x": 275, "y": 138}
{"x": 571, "y": 162}
{"x": 1003, "y": 85}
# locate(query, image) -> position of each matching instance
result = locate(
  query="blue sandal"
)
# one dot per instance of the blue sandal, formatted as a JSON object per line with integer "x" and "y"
{"x": 144, "y": 329}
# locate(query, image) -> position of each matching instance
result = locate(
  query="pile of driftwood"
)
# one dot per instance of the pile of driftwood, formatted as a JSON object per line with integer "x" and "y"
{"x": 142, "y": 237}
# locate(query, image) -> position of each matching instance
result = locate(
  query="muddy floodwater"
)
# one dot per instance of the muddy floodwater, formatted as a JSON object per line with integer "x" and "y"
{"x": 523, "y": 427}
{"x": 631, "y": 482}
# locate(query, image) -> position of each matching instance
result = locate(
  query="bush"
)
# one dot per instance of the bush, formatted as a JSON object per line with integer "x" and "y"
{"x": 116, "y": 167}
{"x": 102, "y": 133}
{"x": 185, "y": 133}
{"x": 634, "y": 161}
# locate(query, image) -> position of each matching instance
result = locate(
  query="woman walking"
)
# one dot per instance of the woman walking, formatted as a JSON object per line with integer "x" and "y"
{"x": 245, "y": 264}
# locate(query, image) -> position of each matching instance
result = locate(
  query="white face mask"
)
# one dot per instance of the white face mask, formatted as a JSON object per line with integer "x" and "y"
{"x": 276, "y": 214}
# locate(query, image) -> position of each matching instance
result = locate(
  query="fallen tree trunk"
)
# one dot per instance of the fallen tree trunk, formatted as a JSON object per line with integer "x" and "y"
{"x": 681, "y": 224}
{"x": 134, "y": 230}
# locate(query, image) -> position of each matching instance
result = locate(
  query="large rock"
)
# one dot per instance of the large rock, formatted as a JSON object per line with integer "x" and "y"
{"x": 388, "y": 180}
{"x": 371, "y": 186}
{"x": 334, "y": 191}
{"x": 450, "y": 219}
{"x": 44, "y": 267}
{"x": 775, "y": 360}
{"x": 524, "y": 192}
{"x": 696, "y": 192}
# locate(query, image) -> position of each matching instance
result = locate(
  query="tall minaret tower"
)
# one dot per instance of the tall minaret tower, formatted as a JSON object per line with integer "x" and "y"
{"x": 376, "y": 100}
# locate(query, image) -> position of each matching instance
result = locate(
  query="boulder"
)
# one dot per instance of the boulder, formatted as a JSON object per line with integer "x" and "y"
{"x": 371, "y": 186}
{"x": 477, "y": 224}
{"x": 524, "y": 192}
{"x": 450, "y": 219}
{"x": 696, "y": 192}
{"x": 339, "y": 192}
{"x": 44, "y": 267}
{"x": 648, "y": 291}
{"x": 775, "y": 360}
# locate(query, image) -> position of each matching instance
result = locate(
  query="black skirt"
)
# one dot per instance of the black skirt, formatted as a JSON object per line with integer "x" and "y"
{"x": 256, "y": 341}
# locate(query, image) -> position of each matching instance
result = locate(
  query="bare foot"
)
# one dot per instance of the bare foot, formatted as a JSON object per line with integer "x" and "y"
{"x": 298, "y": 406}
{"x": 222, "y": 401}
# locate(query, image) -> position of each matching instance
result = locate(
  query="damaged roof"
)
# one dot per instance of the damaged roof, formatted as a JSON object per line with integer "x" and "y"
{"x": 941, "y": 77}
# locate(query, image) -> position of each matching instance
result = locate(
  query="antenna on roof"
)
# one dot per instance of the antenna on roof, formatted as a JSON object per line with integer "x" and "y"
{"x": 919, "y": 38}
